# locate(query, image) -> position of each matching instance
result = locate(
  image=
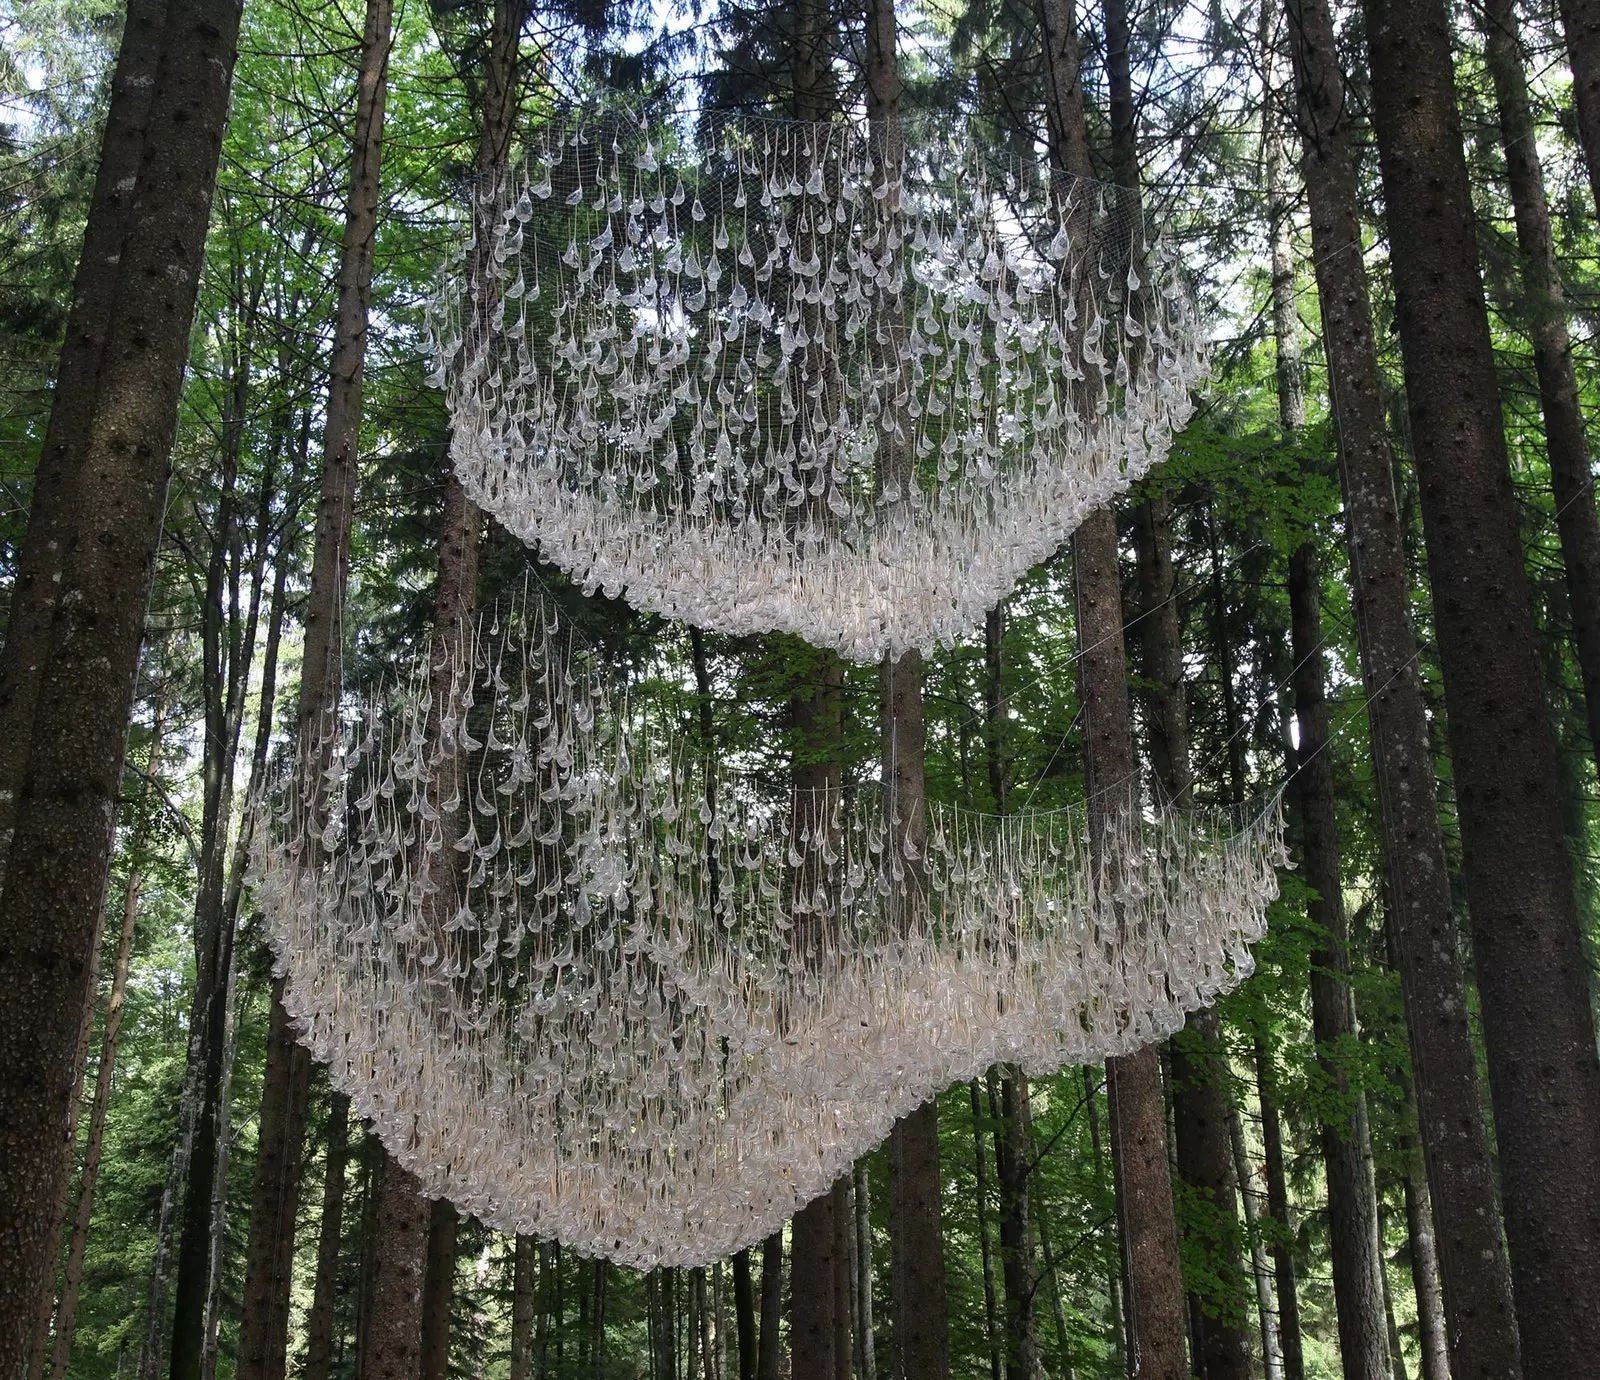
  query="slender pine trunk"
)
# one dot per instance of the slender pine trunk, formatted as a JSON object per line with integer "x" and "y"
{"x": 524, "y": 1281}
{"x": 438, "y": 1289}
{"x": 744, "y": 1314}
{"x": 275, "y": 1192}
{"x": 867, "y": 1341}
{"x": 319, "y": 1321}
{"x": 991, "y": 1309}
{"x": 1580, "y": 24}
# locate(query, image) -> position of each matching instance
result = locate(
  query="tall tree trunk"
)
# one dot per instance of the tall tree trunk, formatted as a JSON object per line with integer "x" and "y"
{"x": 319, "y": 1321}
{"x": 1352, "y": 1207}
{"x": 1260, "y": 1264}
{"x": 844, "y": 1278}
{"x": 51, "y": 510}
{"x": 1580, "y": 24}
{"x": 1284, "y": 1269}
{"x": 392, "y": 1346}
{"x": 744, "y": 1313}
{"x": 811, "y": 1289}
{"x": 1433, "y": 1338}
{"x": 770, "y": 1352}
{"x": 1014, "y": 1151}
{"x": 918, "y": 1290}
{"x": 1205, "y": 1163}
{"x": 52, "y": 905}
{"x": 1472, "y": 1257}
{"x": 1057, "y": 1303}
{"x": 991, "y": 1303}
{"x": 1544, "y": 311}
{"x": 1153, "y": 1285}
{"x": 524, "y": 1277}
{"x": 1118, "y": 1328}
{"x": 1533, "y": 982}
{"x": 1346, "y": 1140}
{"x": 439, "y": 1290}
{"x": 1199, "y": 1100}
{"x": 275, "y": 1192}
{"x": 867, "y": 1341}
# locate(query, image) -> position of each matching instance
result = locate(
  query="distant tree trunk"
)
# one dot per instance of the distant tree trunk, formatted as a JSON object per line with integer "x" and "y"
{"x": 769, "y": 1355}
{"x": 1284, "y": 1269}
{"x": 66, "y": 804}
{"x": 217, "y": 1254}
{"x": 1140, "y": 1167}
{"x": 744, "y": 1314}
{"x": 1346, "y": 1141}
{"x": 275, "y": 1191}
{"x": 1397, "y": 1353}
{"x": 1472, "y": 1255}
{"x": 1544, "y": 312}
{"x": 844, "y": 1278}
{"x": 392, "y": 1347}
{"x": 1205, "y": 1162}
{"x": 1091, "y": 1099}
{"x": 1199, "y": 1103}
{"x": 1533, "y": 979}
{"x": 868, "y": 1341}
{"x": 1057, "y": 1304}
{"x": 1433, "y": 1337}
{"x": 1580, "y": 23}
{"x": 991, "y": 1308}
{"x": 319, "y": 1322}
{"x": 708, "y": 1365}
{"x": 1014, "y": 1125}
{"x": 1260, "y": 1265}
{"x": 94, "y": 291}
{"x": 438, "y": 1289}
{"x": 524, "y": 1275}
{"x": 918, "y": 1290}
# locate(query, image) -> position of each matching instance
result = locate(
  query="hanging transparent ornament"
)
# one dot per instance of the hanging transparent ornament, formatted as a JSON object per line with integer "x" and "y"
{"x": 584, "y": 1001}
{"x": 743, "y": 374}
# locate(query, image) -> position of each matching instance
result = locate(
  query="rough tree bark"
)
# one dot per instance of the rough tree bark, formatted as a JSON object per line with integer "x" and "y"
{"x": 524, "y": 1273}
{"x": 94, "y": 290}
{"x": 392, "y": 1345}
{"x": 1533, "y": 987}
{"x": 1472, "y": 1257}
{"x": 55, "y": 884}
{"x": 438, "y": 1289}
{"x": 1543, "y": 310}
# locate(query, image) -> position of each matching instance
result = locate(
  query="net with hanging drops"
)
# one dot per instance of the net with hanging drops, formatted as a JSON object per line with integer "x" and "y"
{"x": 581, "y": 1001}
{"x": 676, "y": 347}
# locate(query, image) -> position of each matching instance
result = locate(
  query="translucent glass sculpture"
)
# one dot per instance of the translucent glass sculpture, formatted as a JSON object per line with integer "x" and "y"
{"x": 582, "y": 1002}
{"x": 744, "y": 374}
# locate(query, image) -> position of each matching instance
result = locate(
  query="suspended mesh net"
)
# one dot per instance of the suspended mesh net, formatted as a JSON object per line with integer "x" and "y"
{"x": 583, "y": 1001}
{"x": 749, "y": 374}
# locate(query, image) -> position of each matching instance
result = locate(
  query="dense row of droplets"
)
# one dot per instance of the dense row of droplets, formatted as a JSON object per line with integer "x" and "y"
{"x": 758, "y": 379}
{"x": 582, "y": 1000}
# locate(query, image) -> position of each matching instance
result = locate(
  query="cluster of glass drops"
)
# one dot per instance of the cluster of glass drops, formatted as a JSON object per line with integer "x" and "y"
{"x": 751, "y": 375}
{"x": 584, "y": 1001}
